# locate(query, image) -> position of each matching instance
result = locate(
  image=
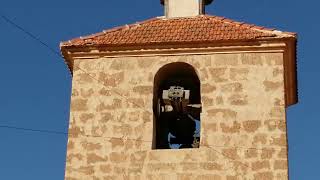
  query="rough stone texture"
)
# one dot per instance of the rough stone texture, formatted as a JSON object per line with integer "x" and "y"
{"x": 243, "y": 125}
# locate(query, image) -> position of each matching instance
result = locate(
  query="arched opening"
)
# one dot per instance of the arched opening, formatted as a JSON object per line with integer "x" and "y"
{"x": 176, "y": 107}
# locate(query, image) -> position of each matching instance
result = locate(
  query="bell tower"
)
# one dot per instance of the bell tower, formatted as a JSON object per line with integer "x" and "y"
{"x": 181, "y": 97}
{"x": 184, "y": 8}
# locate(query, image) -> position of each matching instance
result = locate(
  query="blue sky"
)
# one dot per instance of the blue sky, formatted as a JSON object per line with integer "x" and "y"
{"x": 35, "y": 84}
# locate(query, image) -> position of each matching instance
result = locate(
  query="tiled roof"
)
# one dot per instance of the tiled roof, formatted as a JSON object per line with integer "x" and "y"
{"x": 199, "y": 29}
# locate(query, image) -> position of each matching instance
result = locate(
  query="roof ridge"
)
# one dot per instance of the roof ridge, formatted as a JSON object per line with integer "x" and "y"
{"x": 113, "y": 29}
{"x": 259, "y": 28}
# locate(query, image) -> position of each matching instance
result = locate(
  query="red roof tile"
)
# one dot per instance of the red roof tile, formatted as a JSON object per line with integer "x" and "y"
{"x": 199, "y": 29}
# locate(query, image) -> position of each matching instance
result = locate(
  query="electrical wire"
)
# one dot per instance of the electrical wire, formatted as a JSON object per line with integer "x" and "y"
{"x": 109, "y": 137}
{"x": 52, "y": 50}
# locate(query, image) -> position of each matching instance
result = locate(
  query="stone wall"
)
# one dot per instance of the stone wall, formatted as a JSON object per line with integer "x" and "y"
{"x": 243, "y": 125}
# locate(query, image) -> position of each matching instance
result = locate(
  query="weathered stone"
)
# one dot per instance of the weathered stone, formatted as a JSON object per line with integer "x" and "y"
{"x": 212, "y": 155}
{"x": 74, "y": 131}
{"x": 277, "y": 71}
{"x": 219, "y": 100}
{"x": 194, "y": 62}
{"x": 278, "y": 102}
{"x": 135, "y": 102}
{"x": 274, "y": 59}
{"x": 207, "y": 101}
{"x": 204, "y": 74}
{"x": 106, "y": 169}
{"x": 129, "y": 144}
{"x": 232, "y": 87}
{"x": 150, "y": 77}
{"x": 70, "y": 145}
{"x": 87, "y": 93}
{"x": 210, "y": 127}
{"x": 135, "y": 169}
{"x": 117, "y": 157}
{"x": 161, "y": 167}
{"x": 119, "y": 65}
{"x": 283, "y": 153}
{"x": 109, "y": 177}
{"x": 79, "y": 104}
{"x": 87, "y": 170}
{"x": 226, "y": 59}
{"x": 218, "y": 74}
{"x": 280, "y": 164}
{"x": 190, "y": 157}
{"x": 120, "y": 171}
{"x": 145, "y": 62}
{"x": 123, "y": 129}
{"x": 210, "y": 166}
{"x": 207, "y": 88}
{"x": 276, "y": 124}
{"x": 260, "y": 165}
{"x": 238, "y": 100}
{"x": 235, "y": 128}
{"x": 134, "y": 116}
{"x": 260, "y": 139}
{"x": 208, "y": 176}
{"x": 146, "y": 116}
{"x": 75, "y": 93}
{"x": 280, "y": 141}
{"x": 267, "y": 153}
{"x": 93, "y": 158}
{"x": 143, "y": 90}
{"x": 89, "y": 146}
{"x": 70, "y": 178}
{"x": 282, "y": 126}
{"x": 277, "y": 112}
{"x": 251, "y": 153}
{"x": 138, "y": 157}
{"x": 271, "y": 124}
{"x": 263, "y": 176}
{"x": 185, "y": 176}
{"x": 272, "y": 86}
{"x": 139, "y": 129}
{"x": 186, "y": 166}
{"x": 98, "y": 130}
{"x": 85, "y": 78}
{"x": 111, "y": 80}
{"x": 243, "y": 134}
{"x": 232, "y": 177}
{"x": 282, "y": 175}
{"x": 72, "y": 156}
{"x": 231, "y": 153}
{"x": 106, "y": 117}
{"x": 251, "y": 59}
{"x": 86, "y": 116}
{"x": 251, "y": 126}
{"x": 239, "y": 74}
{"x": 105, "y": 92}
{"x": 116, "y": 143}
{"x": 116, "y": 104}
{"x": 226, "y": 113}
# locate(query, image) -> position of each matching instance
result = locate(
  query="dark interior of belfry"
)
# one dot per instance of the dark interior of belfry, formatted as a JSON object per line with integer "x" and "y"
{"x": 177, "y": 107}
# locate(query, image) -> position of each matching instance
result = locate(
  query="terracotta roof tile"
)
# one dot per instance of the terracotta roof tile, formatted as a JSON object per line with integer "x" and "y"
{"x": 197, "y": 29}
